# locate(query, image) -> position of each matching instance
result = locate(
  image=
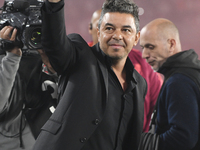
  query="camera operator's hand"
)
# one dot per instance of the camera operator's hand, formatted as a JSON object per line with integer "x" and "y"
{"x": 5, "y": 33}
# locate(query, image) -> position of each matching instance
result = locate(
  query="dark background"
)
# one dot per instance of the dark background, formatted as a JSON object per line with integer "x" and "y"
{"x": 184, "y": 13}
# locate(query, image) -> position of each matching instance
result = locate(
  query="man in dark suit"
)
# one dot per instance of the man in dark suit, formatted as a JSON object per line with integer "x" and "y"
{"x": 101, "y": 94}
{"x": 154, "y": 80}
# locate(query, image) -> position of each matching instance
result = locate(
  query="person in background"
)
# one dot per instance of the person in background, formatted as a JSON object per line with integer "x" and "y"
{"x": 177, "y": 110}
{"x": 8, "y": 68}
{"x": 101, "y": 94}
{"x": 154, "y": 80}
{"x": 12, "y": 125}
{"x": 93, "y": 25}
{"x": 41, "y": 94}
{"x": 24, "y": 103}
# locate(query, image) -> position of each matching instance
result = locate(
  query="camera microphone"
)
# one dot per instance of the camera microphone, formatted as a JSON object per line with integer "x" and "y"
{"x": 21, "y": 4}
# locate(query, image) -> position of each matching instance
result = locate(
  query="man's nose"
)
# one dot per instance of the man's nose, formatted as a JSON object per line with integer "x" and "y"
{"x": 117, "y": 35}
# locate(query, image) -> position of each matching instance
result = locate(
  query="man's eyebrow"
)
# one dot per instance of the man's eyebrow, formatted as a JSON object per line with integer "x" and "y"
{"x": 109, "y": 24}
{"x": 127, "y": 26}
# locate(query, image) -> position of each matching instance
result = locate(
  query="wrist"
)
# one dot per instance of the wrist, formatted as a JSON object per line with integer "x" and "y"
{"x": 16, "y": 51}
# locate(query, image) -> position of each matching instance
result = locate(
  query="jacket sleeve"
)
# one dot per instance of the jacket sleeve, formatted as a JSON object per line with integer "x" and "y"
{"x": 8, "y": 68}
{"x": 58, "y": 47}
{"x": 178, "y": 116}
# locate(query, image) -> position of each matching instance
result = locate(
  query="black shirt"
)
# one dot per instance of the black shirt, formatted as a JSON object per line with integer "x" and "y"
{"x": 114, "y": 132}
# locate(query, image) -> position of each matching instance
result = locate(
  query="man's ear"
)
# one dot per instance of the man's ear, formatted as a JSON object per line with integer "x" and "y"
{"x": 90, "y": 28}
{"x": 172, "y": 45}
{"x": 137, "y": 37}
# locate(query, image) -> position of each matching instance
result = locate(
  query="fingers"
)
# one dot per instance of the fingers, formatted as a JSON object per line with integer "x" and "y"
{"x": 14, "y": 34}
{"x": 6, "y": 31}
{"x": 2, "y": 32}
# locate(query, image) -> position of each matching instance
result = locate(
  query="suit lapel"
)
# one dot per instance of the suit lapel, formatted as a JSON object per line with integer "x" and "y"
{"x": 101, "y": 62}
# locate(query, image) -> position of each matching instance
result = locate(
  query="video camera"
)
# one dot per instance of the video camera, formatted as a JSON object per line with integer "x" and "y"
{"x": 24, "y": 15}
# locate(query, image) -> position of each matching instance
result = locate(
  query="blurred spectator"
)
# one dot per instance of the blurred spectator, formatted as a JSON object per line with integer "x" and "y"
{"x": 177, "y": 112}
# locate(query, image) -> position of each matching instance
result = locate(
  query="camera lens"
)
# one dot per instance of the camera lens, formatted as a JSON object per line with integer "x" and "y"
{"x": 36, "y": 36}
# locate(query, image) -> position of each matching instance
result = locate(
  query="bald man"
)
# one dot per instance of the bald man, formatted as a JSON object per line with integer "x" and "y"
{"x": 93, "y": 27}
{"x": 178, "y": 103}
{"x": 154, "y": 80}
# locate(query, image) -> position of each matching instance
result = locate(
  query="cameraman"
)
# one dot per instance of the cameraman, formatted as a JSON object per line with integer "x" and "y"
{"x": 30, "y": 93}
{"x": 9, "y": 63}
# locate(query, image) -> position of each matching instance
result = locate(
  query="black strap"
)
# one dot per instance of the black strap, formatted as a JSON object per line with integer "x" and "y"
{"x": 7, "y": 45}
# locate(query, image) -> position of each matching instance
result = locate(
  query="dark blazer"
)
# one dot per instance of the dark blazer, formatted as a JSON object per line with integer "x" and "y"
{"x": 83, "y": 88}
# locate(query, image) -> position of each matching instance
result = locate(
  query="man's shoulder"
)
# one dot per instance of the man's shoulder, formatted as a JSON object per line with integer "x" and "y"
{"x": 180, "y": 87}
{"x": 75, "y": 36}
{"x": 179, "y": 80}
{"x": 77, "y": 39}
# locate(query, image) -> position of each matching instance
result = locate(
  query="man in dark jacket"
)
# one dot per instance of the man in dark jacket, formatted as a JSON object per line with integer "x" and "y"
{"x": 154, "y": 80}
{"x": 177, "y": 106}
{"x": 101, "y": 94}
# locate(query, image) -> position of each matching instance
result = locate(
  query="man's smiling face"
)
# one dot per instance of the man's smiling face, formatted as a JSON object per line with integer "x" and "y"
{"x": 117, "y": 34}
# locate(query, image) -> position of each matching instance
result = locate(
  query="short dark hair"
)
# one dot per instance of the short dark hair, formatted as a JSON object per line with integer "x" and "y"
{"x": 121, "y": 6}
